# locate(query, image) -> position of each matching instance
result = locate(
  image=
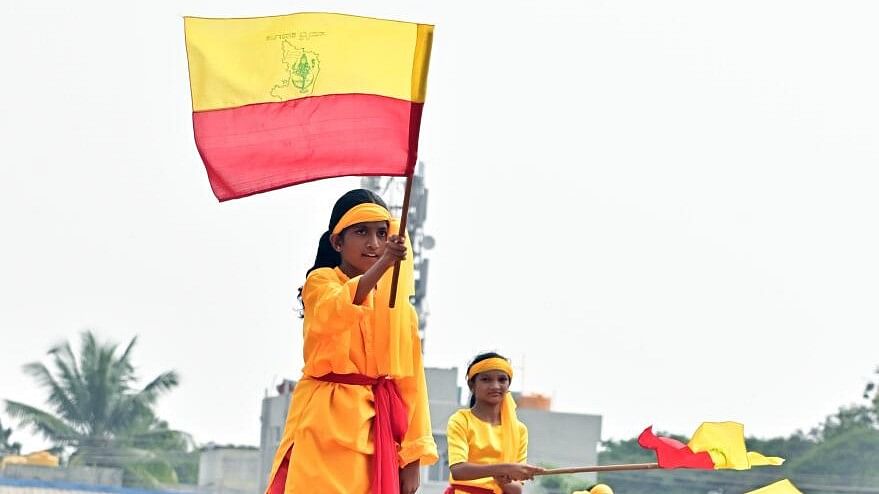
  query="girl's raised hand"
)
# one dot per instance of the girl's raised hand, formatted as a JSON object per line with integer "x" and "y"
{"x": 395, "y": 250}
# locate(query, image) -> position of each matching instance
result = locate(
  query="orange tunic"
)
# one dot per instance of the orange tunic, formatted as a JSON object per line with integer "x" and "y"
{"x": 328, "y": 424}
{"x": 472, "y": 440}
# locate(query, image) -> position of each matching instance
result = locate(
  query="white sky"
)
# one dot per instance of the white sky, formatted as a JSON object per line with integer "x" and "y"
{"x": 667, "y": 210}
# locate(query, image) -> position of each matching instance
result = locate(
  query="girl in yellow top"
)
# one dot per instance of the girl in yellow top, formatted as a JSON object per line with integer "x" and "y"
{"x": 488, "y": 446}
{"x": 358, "y": 421}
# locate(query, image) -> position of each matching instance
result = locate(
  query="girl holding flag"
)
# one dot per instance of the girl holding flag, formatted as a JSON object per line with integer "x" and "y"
{"x": 487, "y": 444}
{"x": 358, "y": 421}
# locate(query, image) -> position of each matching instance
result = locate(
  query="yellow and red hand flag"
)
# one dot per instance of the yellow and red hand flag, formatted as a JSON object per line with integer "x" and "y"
{"x": 714, "y": 445}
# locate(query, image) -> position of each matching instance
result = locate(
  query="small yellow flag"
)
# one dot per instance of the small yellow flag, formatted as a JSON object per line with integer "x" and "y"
{"x": 781, "y": 487}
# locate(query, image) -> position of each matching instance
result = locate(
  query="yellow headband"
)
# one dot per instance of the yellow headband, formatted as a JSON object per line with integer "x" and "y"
{"x": 488, "y": 364}
{"x": 362, "y": 213}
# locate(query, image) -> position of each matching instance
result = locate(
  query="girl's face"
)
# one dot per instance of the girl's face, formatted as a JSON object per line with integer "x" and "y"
{"x": 490, "y": 387}
{"x": 360, "y": 245}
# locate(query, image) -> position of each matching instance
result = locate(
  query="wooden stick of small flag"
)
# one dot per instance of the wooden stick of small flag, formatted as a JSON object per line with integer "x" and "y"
{"x": 600, "y": 468}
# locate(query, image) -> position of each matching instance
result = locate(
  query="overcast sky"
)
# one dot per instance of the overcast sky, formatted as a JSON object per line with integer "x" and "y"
{"x": 662, "y": 212}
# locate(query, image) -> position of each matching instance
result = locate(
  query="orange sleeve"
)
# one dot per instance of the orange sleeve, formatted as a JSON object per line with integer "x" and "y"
{"x": 329, "y": 302}
{"x": 418, "y": 443}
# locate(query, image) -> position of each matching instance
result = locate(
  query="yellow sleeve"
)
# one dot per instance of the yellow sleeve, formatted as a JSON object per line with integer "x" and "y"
{"x": 456, "y": 435}
{"x": 329, "y": 302}
{"x": 418, "y": 443}
{"x": 523, "y": 443}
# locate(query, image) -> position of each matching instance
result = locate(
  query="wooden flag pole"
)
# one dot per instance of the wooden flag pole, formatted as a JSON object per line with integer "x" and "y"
{"x": 600, "y": 468}
{"x": 403, "y": 216}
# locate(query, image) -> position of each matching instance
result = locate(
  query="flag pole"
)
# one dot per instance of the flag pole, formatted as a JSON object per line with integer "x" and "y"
{"x": 403, "y": 215}
{"x": 600, "y": 468}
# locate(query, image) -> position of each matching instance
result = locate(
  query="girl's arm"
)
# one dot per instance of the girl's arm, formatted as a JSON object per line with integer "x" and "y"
{"x": 512, "y": 471}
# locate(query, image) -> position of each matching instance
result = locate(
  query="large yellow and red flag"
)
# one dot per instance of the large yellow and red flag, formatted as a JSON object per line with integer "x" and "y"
{"x": 714, "y": 445}
{"x": 288, "y": 99}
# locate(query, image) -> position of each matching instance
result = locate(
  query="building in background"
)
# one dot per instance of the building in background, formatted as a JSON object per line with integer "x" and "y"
{"x": 77, "y": 475}
{"x": 221, "y": 470}
{"x": 43, "y": 479}
{"x": 272, "y": 419}
{"x": 229, "y": 470}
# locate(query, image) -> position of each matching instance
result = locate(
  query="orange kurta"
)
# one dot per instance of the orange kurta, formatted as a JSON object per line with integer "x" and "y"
{"x": 328, "y": 424}
{"x": 471, "y": 440}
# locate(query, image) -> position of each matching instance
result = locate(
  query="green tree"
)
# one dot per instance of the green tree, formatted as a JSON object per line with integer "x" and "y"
{"x": 7, "y": 448}
{"x": 871, "y": 394}
{"x": 99, "y": 415}
{"x": 847, "y": 458}
{"x": 847, "y": 418}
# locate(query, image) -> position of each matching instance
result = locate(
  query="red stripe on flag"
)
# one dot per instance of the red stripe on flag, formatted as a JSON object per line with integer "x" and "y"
{"x": 257, "y": 148}
{"x": 671, "y": 453}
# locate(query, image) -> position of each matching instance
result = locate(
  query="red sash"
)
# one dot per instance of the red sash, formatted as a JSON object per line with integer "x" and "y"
{"x": 389, "y": 427}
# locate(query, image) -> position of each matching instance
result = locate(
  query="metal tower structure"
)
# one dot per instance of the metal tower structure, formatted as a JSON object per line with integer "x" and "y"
{"x": 392, "y": 190}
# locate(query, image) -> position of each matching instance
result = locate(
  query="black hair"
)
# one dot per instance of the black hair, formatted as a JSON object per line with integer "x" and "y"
{"x": 476, "y": 360}
{"x": 326, "y": 256}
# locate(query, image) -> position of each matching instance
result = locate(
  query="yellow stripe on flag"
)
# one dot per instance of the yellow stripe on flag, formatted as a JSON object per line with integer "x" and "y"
{"x": 237, "y": 62}
{"x": 758, "y": 460}
{"x": 725, "y": 442}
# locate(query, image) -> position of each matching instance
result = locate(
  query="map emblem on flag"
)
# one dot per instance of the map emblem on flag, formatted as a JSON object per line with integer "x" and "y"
{"x": 301, "y": 68}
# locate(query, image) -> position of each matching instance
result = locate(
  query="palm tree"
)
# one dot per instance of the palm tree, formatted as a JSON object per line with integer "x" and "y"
{"x": 871, "y": 393}
{"x": 7, "y": 448}
{"x": 99, "y": 414}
